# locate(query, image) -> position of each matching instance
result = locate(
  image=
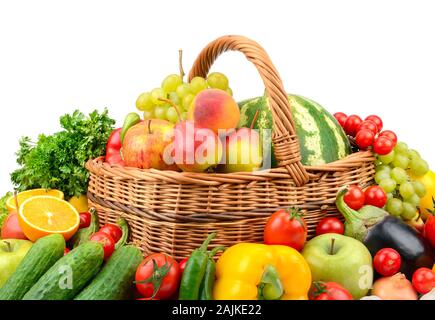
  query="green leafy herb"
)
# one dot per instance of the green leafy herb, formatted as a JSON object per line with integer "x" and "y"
{"x": 3, "y": 210}
{"x": 57, "y": 161}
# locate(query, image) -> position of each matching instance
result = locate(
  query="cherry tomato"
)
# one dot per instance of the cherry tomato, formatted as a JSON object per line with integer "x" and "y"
{"x": 370, "y": 125}
{"x": 182, "y": 264}
{"x": 329, "y": 291}
{"x": 351, "y": 125}
{"x": 11, "y": 228}
{"x": 365, "y": 138}
{"x": 423, "y": 280}
{"x": 107, "y": 242}
{"x": 387, "y": 262}
{"x": 375, "y": 196}
{"x": 329, "y": 225}
{"x": 390, "y": 135}
{"x": 383, "y": 145}
{"x": 377, "y": 120}
{"x": 341, "y": 118}
{"x": 286, "y": 227}
{"x": 354, "y": 197}
{"x": 112, "y": 230}
{"x": 85, "y": 220}
{"x": 66, "y": 251}
{"x": 158, "y": 276}
{"x": 429, "y": 230}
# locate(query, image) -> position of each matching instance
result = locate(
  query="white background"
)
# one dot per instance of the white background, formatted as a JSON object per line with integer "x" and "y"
{"x": 353, "y": 56}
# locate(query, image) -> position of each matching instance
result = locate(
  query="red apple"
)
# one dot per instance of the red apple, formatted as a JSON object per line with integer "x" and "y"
{"x": 11, "y": 228}
{"x": 196, "y": 149}
{"x": 145, "y": 145}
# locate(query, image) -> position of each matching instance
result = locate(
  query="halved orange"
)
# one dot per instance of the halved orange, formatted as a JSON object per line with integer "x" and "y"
{"x": 40, "y": 216}
{"x": 23, "y": 196}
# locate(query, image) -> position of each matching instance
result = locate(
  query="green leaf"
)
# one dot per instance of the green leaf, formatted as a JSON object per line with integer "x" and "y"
{"x": 57, "y": 161}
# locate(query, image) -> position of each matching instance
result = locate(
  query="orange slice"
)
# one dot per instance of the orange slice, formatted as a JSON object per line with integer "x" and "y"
{"x": 40, "y": 216}
{"x": 23, "y": 196}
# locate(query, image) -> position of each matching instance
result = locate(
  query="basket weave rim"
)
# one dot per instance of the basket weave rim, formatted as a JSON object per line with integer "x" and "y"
{"x": 315, "y": 172}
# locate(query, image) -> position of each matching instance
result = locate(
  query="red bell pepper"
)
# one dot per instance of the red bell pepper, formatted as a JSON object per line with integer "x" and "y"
{"x": 113, "y": 148}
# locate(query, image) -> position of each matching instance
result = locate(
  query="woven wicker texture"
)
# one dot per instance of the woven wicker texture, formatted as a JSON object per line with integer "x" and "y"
{"x": 173, "y": 212}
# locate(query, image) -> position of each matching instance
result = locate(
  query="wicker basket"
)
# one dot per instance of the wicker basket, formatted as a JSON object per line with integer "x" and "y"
{"x": 172, "y": 212}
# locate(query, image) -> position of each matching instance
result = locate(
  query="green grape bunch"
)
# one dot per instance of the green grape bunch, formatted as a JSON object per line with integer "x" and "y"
{"x": 173, "y": 99}
{"x": 395, "y": 174}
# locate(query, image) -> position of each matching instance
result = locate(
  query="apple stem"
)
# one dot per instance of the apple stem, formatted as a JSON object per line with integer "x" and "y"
{"x": 255, "y": 119}
{"x": 332, "y": 246}
{"x": 170, "y": 102}
{"x": 180, "y": 63}
{"x": 16, "y": 200}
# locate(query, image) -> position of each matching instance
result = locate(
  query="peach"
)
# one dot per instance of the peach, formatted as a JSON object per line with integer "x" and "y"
{"x": 145, "y": 145}
{"x": 215, "y": 109}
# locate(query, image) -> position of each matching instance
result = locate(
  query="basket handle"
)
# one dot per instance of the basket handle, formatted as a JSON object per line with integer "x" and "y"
{"x": 285, "y": 140}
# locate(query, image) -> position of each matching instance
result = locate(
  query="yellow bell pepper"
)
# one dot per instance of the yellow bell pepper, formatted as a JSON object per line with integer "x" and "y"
{"x": 249, "y": 271}
{"x": 426, "y": 203}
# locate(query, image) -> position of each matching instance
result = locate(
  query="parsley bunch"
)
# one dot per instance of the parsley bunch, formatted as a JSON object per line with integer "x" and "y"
{"x": 3, "y": 210}
{"x": 57, "y": 161}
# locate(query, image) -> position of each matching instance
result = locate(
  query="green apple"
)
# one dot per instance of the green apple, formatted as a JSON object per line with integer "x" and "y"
{"x": 344, "y": 260}
{"x": 12, "y": 251}
{"x": 243, "y": 151}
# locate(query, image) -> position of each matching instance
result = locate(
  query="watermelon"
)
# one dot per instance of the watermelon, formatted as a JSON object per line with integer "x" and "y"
{"x": 321, "y": 138}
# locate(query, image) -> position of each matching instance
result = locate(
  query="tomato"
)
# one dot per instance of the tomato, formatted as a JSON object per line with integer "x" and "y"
{"x": 66, "y": 251}
{"x": 341, "y": 118}
{"x": 369, "y": 125}
{"x": 158, "y": 277}
{"x": 423, "y": 280}
{"x": 329, "y": 291}
{"x": 85, "y": 220}
{"x": 387, "y": 262}
{"x": 390, "y": 135}
{"x": 351, "y": 125}
{"x": 377, "y": 120}
{"x": 383, "y": 145}
{"x": 354, "y": 197}
{"x": 375, "y": 196}
{"x": 112, "y": 230}
{"x": 182, "y": 264}
{"x": 107, "y": 242}
{"x": 329, "y": 225}
{"x": 11, "y": 228}
{"x": 365, "y": 138}
{"x": 429, "y": 230}
{"x": 286, "y": 227}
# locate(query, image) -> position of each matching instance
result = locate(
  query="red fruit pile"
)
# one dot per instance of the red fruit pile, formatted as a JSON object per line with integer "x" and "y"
{"x": 368, "y": 133}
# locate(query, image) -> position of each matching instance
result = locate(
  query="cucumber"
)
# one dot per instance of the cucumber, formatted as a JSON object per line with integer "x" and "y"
{"x": 69, "y": 275}
{"x": 115, "y": 281}
{"x": 41, "y": 257}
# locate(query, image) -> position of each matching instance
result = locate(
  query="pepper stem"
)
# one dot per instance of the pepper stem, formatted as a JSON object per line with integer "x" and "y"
{"x": 207, "y": 241}
{"x": 270, "y": 287}
{"x": 214, "y": 251}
